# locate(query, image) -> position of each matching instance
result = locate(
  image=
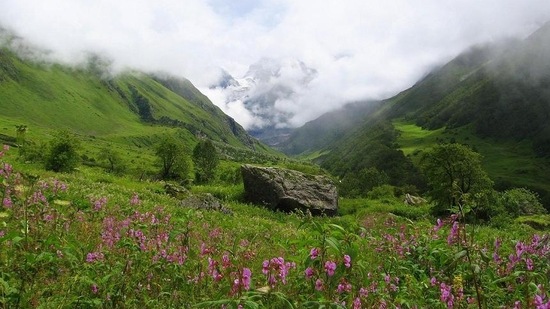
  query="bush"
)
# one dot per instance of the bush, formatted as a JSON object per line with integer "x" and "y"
{"x": 63, "y": 153}
{"x": 380, "y": 192}
{"x": 30, "y": 151}
{"x": 173, "y": 159}
{"x": 520, "y": 202}
{"x": 206, "y": 161}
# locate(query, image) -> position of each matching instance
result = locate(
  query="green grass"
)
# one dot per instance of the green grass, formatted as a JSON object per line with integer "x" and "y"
{"x": 50, "y": 264}
{"x": 512, "y": 163}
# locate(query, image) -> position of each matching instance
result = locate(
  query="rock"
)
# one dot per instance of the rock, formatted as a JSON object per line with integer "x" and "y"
{"x": 175, "y": 191}
{"x": 206, "y": 202}
{"x": 288, "y": 190}
{"x": 413, "y": 200}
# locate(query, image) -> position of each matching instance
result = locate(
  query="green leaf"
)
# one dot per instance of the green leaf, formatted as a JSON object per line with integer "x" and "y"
{"x": 458, "y": 256}
{"x": 484, "y": 256}
{"x": 334, "y": 243}
{"x": 337, "y": 227}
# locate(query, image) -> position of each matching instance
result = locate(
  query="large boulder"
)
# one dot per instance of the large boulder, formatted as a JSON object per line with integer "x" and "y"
{"x": 288, "y": 190}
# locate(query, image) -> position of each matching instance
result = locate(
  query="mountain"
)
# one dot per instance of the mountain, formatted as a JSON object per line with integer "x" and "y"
{"x": 327, "y": 129}
{"x": 267, "y": 83}
{"x": 131, "y": 107}
{"x": 494, "y": 97}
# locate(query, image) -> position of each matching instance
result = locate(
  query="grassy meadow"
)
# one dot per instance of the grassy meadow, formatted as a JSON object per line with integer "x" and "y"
{"x": 92, "y": 239}
{"x": 509, "y": 163}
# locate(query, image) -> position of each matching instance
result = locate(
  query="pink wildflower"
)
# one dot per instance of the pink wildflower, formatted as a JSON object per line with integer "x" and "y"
{"x": 438, "y": 226}
{"x": 7, "y": 202}
{"x": 453, "y": 236}
{"x": 357, "y": 303}
{"x": 344, "y": 286}
{"x": 309, "y": 272}
{"x": 247, "y": 274}
{"x": 99, "y": 203}
{"x": 520, "y": 248}
{"x": 529, "y": 263}
{"x": 94, "y": 288}
{"x": 93, "y": 257}
{"x": 314, "y": 253}
{"x": 330, "y": 267}
{"x": 446, "y": 295}
{"x": 134, "y": 201}
{"x": 347, "y": 261}
{"x": 319, "y": 286}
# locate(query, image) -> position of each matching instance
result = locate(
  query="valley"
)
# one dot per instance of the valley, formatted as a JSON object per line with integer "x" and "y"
{"x": 125, "y": 190}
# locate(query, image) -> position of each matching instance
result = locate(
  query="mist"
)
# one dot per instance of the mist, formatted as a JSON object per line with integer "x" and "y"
{"x": 359, "y": 49}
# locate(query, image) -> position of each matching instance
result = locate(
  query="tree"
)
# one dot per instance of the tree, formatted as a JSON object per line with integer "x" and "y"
{"x": 21, "y": 131}
{"x": 115, "y": 163}
{"x": 173, "y": 159}
{"x": 454, "y": 172}
{"x": 63, "y": 153}
{"x": 359, "y": 183}
{"x": 206, "y": 161}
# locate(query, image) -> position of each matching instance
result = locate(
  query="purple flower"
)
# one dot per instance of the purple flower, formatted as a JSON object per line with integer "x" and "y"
{"x": 453, "y": 236}
{"x": 7, "y": 202}
{"x": 314, "y": 253}
{"x": 330, "y": 267}
{"x": 135, "y": 200}
{"x": 344, "y": 286}
{"x": 529, "y": 264}
{"x": 309, "y": 273}
{"x": 276, "y": 268}
{"x": 99, "y": 203}
{"x": 439, "y": 225}
{"x": 357, "y": 303}
{"x": 446, "y": 295}
{"x": 247, "y": 274}
{"x": 319, "y": 285}
{"x": 94, "y": 288}
{"x": 93, "y": 257}
{"x": 520, "y": 248}
{"x": 265, "y": 267}
{"x": 347, "y": 261}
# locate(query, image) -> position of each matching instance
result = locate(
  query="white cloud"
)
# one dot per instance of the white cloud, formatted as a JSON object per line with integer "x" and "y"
{"x": 360, "y": 49}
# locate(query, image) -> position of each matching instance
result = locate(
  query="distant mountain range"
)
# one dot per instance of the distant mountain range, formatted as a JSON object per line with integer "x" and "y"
{"x": 267, "y": 82}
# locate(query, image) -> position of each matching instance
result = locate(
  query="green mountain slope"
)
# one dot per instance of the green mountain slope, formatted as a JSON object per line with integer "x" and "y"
{"x": 327, "y": 129}
{"x": 132, "y": 107}
{"x": 495, "y": 98}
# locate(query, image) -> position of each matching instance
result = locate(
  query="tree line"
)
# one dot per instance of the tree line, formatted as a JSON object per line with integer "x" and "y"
{"x": 174, "y": 160}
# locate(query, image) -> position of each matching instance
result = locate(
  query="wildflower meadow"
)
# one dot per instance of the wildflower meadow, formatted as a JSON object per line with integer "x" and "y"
{"x": 67, "y": 241}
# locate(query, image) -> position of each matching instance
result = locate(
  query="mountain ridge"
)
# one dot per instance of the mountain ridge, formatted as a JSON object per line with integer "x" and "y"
{"x": 131, "y": 103}
{"x": 494, "y": 97}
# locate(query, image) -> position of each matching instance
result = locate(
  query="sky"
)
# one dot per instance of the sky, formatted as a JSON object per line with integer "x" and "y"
{"x": 360, "y": 49}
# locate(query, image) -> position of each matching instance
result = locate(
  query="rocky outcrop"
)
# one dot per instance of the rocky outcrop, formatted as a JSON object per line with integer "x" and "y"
{"x": 206, "y": 202}
{"x": 413, "y": 200}
{"x": 288, "y": 190}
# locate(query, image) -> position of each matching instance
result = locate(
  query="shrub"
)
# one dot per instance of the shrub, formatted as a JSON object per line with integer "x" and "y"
{"x": 206, "y": 161}
{"x": 520, "y": 201}
{"x": 63, "y": 153}
{"x": 380, "y": 192}
{"x": 173, "y": 159}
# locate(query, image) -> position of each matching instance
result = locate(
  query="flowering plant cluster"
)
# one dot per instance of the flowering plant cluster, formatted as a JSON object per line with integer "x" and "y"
{"x": 64, "y": 249}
